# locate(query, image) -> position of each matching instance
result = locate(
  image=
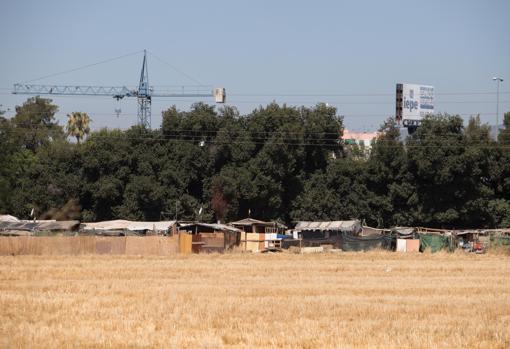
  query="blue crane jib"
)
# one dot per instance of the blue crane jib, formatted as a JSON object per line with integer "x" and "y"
{"x": 144, "y": 93}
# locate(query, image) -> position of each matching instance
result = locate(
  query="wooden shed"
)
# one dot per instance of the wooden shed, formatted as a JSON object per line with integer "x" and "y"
{"x": 211, "y": 237}
{"x": 258, "y": 235}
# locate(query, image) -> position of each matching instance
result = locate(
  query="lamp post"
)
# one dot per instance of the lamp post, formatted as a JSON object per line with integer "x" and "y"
{"x": 498, "y": 80}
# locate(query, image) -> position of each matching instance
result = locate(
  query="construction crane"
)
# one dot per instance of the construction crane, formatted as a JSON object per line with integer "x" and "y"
{"x": 144, "y": 93}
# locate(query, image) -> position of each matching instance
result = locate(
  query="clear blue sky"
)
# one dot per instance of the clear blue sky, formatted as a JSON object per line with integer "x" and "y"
{"x": 261, "y": 50}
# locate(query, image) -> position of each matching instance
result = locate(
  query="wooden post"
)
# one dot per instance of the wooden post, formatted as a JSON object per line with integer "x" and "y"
{"x": 245, "y": 240}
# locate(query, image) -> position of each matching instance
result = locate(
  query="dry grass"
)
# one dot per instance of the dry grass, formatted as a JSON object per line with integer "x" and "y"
{"x": 374, "y": 300}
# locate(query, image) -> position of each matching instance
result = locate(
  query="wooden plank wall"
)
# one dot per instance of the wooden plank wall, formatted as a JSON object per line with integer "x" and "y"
{"x": 75, "y": 245}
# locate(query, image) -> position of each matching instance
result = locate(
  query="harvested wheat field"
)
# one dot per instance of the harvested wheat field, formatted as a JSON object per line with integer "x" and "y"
{"x": 349, "y": 300}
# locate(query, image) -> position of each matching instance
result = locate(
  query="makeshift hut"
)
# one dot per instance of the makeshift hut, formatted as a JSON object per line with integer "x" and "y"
{"x": 27, "y": 228}
{"x": 404, "y": 239}
{"x": 211, "y": 237}
{"x": 468, "y": 240}
{"x": 309, "y": 234}
{"x": 8, "y": 218}
{"x": 121, "y": 227}
{"x": 258, "y": 235}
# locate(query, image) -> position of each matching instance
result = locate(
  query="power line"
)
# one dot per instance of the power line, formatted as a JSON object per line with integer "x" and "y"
{"x": 400, "y": 145}
{"x": 280, "y": 94}
{"x": 82, "y": 67}
{"x": 92, "y": 113}
{"x": 175, "y": 68}
{"x": 382, "y": 94}
{"x": 198, "y": 135}
{"x": 339, "y": 103}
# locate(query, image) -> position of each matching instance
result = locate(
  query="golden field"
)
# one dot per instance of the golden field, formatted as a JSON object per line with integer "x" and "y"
{"x": 345, "y": 300}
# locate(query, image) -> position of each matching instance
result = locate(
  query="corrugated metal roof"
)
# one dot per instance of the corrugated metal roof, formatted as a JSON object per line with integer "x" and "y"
{"x": 352, "y": 225}
{"x": 213, "y": 226}
{"x": 404, "y": 230}
{"x": 252, "y": 221}
{"x": 121, "y": 224}
{"x": 39, "y": 225}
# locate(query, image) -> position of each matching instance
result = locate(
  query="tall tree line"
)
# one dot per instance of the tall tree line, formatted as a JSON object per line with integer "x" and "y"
{"x": 278, "y": 162}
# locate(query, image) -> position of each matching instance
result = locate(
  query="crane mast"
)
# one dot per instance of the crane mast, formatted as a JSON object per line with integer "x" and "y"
{"x": 144, "y": 93}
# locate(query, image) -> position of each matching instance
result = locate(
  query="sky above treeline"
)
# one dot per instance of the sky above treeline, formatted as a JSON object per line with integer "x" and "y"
{"x": 349, "y": 54}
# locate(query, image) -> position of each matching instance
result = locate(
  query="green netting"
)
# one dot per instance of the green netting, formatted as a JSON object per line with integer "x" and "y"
{"x": 500, "y": 240}
{"x": 435, "y": 242}
{"x": 365, "y": 243}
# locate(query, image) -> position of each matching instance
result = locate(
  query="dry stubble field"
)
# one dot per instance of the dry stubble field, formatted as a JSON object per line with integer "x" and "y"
{"x": 349, "y": 300}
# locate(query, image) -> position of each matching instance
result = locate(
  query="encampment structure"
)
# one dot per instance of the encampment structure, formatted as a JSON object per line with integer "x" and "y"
{"x": 8, "y": 218}
{"x": 259, "y": 235}
{"x": 27, "y": 228}
{"x": 211, "y": 237}
{"x": 324, "y": 233}
{"x": 121, "y": 227}
{"x": 249, "y": 234}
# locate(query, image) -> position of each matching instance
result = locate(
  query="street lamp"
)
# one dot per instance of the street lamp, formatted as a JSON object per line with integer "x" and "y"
{"x": 497, "y": 100}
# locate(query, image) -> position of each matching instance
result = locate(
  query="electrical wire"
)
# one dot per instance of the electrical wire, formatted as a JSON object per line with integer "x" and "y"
{"x": 83, "y": 67}
{"x": 347, "y": 115}
{"x": 279, "y": 94}
{"x": 325, "y": 145}
{"x": 357, "y": 94}
{"x": 197, "y": 135}
{"x": 176, "y": 69}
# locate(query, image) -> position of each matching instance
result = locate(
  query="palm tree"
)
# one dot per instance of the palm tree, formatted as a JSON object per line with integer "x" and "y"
{"x": 78, "y": 125}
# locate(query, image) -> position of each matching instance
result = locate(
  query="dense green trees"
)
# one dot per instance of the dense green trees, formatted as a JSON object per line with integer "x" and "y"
{"x": 278, "y": 162}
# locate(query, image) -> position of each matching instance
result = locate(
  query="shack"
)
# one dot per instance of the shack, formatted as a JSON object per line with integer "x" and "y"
{"x": 121, "y": 227}
{"x": 404, "y": 239}
{"x": 311, "y": 234}
{"x": 8, "y": 218}
{"x": 257, "y": 235}
{"x": 38, "y": 227}
{"x": 211, "y": 237}
{"x": 434, "y": 239}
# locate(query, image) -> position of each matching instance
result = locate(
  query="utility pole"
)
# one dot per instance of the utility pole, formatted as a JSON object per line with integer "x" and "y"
{"x": 498, "y": 80}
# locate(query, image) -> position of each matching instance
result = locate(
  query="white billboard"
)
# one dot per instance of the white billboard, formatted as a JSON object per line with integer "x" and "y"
{"x": 417, "y": 101}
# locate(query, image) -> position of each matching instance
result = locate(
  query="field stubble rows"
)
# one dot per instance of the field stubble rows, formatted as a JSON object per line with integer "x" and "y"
{"x": 348, "y": 300}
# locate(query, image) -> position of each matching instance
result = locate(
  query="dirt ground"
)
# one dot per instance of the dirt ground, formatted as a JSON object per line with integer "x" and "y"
{"x": 343, "y": 300}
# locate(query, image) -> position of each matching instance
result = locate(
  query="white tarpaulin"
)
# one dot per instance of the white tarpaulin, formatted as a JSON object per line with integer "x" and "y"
{"x": 8, "y": 218}
{"x": 347, "y": 226}
{"x": 121, "y": 224}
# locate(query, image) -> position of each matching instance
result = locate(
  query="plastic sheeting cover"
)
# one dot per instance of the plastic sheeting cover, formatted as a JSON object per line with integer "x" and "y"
{"x": 435, "y": 242}
{"x": 349, "y": 226}
{"x": 357, "y": 243}
{"x": 121, "y": 224}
